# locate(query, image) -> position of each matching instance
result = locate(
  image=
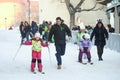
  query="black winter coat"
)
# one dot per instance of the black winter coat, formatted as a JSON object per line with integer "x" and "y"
{"x": 27, "y": 29}
{"x": 100, "y": 35}
{"x": 20, "y": 28}
{"x": 111, "y": 30}
{"x": 59, "y": 32}
{"x": 21, "y": 31}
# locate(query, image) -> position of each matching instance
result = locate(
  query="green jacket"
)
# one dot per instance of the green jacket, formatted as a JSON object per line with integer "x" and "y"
{"x": 79, "y": 35}
{"x": 46, "y": 29}
{"x": 36, "y": 45}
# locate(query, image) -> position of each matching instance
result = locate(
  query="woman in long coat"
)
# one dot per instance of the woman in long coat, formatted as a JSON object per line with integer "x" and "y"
{"x": 101, "y": 35}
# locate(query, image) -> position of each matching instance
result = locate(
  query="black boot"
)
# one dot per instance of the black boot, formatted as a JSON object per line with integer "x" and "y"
{"x": 80, "y": 60}
{"x": 89, "y": 60}
{"x": 100, "y": 59}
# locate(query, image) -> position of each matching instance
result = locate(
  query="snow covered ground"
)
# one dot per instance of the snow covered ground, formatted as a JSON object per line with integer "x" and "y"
{"x": 19, "y": 69}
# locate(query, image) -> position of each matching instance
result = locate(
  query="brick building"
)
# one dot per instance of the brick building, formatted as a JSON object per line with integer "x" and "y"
{"x": 15, "y": 11}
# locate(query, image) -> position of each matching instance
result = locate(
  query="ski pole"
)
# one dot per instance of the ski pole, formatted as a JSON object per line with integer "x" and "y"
{"x": 17, "y": 52}
{"x": 49, "y": 54}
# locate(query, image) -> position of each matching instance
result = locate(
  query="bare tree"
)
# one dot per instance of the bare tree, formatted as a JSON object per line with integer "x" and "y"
{"x": 73, "y": 10}
{"x": 104, "y": 2}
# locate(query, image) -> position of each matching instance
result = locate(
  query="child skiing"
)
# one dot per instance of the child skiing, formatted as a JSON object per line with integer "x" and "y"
{"x": 37, "y": 44}
{"x": 85, "y": 46}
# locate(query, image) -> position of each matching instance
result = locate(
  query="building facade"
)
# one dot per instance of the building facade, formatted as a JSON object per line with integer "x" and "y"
{"x": 15, "y": 11}
{"x": 113, "y": 13}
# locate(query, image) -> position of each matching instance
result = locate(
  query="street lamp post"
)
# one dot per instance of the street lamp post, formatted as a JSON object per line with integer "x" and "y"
{"x": 14, "y": 15}
{"x": 5, "y": 23}
{"x": 29, "y": 10}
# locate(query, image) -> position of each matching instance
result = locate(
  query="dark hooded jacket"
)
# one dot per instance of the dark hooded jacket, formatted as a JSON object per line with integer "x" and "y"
{"x": 59, "y": 32}
{"x": 100, "y": 35}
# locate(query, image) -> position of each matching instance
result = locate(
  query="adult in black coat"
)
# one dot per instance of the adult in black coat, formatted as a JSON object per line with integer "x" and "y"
{"x": 101, "y": 35}
{"x": 59, "y": 31}
{"x": 34, "y": 27}
{"x": 110, "y": 28}
{"x": 22, "y": 31}
{"x": 27, "y": 30}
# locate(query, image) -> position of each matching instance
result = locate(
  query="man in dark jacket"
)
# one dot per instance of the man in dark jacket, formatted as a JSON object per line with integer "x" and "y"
{"x": 101, "y": 35}
{"x": 59, "y": 31}
{"x": 34, "y": 27}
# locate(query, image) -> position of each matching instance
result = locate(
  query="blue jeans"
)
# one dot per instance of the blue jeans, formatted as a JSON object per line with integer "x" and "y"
{"x": 27, "y": 36}
{"x": 60, "y": 48}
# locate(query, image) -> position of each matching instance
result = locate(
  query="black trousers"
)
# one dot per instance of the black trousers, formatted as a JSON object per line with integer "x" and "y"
{"x": 100, "y": 49}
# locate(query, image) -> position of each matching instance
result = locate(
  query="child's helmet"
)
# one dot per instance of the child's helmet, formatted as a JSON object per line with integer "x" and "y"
{"x": 86, "y": 36}
{"x": 37, "y": 35}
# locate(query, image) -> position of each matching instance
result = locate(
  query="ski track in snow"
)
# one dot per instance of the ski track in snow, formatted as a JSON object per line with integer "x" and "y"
{"x": 19, "y": 69}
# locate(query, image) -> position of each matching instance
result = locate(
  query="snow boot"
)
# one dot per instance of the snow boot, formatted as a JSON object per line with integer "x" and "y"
{"x": 59, "y": 67}
{"x": 40, "y": 67}
{"x": 100, "y": 59}
{"x": 32, "y": 67}
{"x": 80, "y": 60}
{"x": 89, "y": 60}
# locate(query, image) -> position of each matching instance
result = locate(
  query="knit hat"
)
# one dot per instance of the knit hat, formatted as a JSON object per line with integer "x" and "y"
{"x": 37, "y": 35}
{"x": 99, "y": 21}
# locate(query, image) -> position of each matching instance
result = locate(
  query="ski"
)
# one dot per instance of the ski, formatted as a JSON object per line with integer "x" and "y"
{"x": 91, "y": 63}
{"x": 42, "y": 72}
{"x": 34, "y": 72}
{"x": 83, "y": 63}
{"x": 88, "y": 63}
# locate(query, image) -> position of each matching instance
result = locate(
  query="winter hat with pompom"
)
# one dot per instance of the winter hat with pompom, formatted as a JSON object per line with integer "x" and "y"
{"x": 37, "y": 35}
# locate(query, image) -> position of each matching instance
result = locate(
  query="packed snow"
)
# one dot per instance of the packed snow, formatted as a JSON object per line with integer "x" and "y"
{"x": 19, "y": 68}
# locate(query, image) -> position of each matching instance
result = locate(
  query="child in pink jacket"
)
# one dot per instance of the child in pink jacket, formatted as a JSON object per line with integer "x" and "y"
{"x": 37, "y": 44}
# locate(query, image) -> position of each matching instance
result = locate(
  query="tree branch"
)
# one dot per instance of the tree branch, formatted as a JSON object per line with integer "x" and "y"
{"x": 79, "y": 4}
{"x": 67, "y": 2}
{"x": 70, "y": 7}
{"x": 98, "y": 8}
{"x": 104, "y": 2}
{"x": 90, "y": 8}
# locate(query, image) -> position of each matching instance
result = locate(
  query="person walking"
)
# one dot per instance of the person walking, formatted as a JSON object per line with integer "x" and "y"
{"x": 46, "y": 31}
{"x": 22, "y": 31}
{"x": 27, "y": 30}
{"x": 34, "y": 27}
{"x": 59, "y": 31}
{"x": 101, "y": 35}
{"x": 110, "y": 28}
